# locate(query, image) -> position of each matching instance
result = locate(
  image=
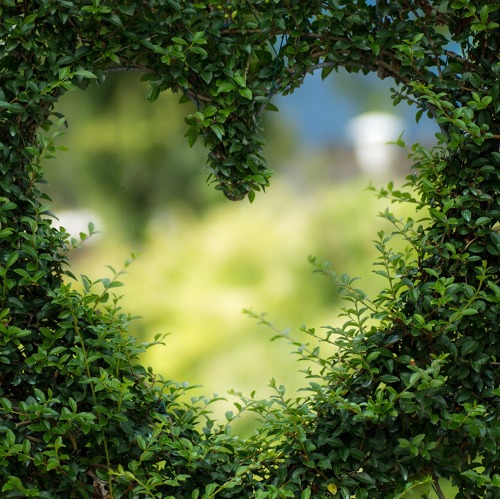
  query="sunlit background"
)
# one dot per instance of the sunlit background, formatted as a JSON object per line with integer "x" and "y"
{"x": 203, "y": 259}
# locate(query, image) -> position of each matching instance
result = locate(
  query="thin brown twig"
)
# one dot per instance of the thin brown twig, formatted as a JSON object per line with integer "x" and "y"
{"x": 437, "y": 487}
{"x": 134, "y": 69}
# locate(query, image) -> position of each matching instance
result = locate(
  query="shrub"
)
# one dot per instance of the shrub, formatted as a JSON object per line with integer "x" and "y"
{"x": 411, "y": 394}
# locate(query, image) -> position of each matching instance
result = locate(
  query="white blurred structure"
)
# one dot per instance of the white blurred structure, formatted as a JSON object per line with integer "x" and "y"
{"x": 77, "y": 221}
{"x": 369, "y": 133}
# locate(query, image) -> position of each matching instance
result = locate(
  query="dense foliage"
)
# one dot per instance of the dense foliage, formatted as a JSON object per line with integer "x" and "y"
{"x": 411, "y": 394}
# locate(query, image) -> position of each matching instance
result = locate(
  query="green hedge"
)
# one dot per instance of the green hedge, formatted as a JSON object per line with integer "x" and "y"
{"x": 411, "y": 394}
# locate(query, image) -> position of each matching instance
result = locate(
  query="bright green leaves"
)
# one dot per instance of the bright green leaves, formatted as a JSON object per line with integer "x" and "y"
{"x": 482, "y": 21}
{"x": 210, "y": 119}
{"x": 478, "y": 103}
{"x": 67, "y": 74}
{"x": 242, "y": 86}
{"x": 217, "y": 129}
{"x": 194, "y": 43}
{"x": 225, "y": 87}
{"x": 246, "y": 93}
{"x": 198, "y": 39}
{"x": 237, "y": 82}
{"x": 416, "y": 446}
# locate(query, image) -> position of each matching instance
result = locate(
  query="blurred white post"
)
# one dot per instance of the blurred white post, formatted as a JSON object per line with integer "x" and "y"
{"x": 77, "y": 221}
{"x": 369, "y": 133}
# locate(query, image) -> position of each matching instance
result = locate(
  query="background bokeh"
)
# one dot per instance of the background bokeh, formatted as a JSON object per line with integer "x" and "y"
{"x": 203, "y": 259}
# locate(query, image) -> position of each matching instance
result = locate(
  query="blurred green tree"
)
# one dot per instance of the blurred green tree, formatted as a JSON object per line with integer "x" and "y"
{"x": 126, "y": 161}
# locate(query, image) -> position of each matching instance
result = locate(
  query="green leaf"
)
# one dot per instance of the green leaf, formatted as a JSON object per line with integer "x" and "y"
{"x": 10, "y": 438}
{"x": 30, "y": 18}
{"x": 246, "y": 92}
{"x": 12, "y": 258}
{"x": 226, "y": 87}
{"x": 6, "y": 404}
{"x": 239, "y": 80}
{"x": 141, "y": 442}
{"x": 192, "y": 135}
{"x": 179, "y": 41}
{"x": 85, "y": 74}
{"x": 280, "y": 23}
{"x": 431, "y": 272}
{"x": 199, "y": 37}
{"x": 344, "y": 453}
{"x": 72, "y": 404}
{"x": 418, "y": 439}
{"x": 483, "y": 220}
{"x": 206, "y": 76}
{"x": 209, "y": 111}
{"x": 64, "y": 73}
{"x": 271, "y": 107}
{"x": 210, "y": 489}
{"x": 218, "y": 130}
{"x": 198, "y": 50}
{"x": 469, "y": 346}
{"x": 362, "y": 493}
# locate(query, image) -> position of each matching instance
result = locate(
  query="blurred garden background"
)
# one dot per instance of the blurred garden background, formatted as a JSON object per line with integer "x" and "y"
{"x": 203, "y": 259}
